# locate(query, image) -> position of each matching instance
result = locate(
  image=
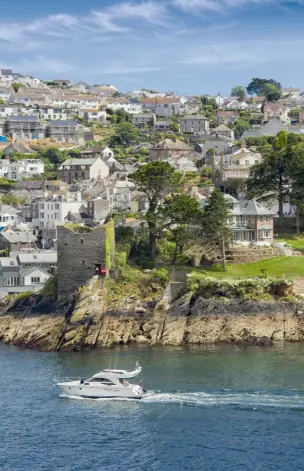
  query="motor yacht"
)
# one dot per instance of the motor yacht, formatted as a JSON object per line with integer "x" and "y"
{"x": 108, "y": 383}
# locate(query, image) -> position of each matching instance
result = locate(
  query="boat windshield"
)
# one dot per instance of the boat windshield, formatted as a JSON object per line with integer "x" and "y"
{"x": 124, "y": 382}
{"x": 101, "y": 380}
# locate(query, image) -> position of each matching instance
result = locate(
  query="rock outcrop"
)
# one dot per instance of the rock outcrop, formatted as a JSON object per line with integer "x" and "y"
{"x": 96, "y": 319}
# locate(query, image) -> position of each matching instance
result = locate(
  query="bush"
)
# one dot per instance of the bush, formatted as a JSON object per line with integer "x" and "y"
{"x": 209, "y": 287}
{"x": 162, "y": 276}
{"x": 145, "y": 262}
{"x": 121, "y": 259}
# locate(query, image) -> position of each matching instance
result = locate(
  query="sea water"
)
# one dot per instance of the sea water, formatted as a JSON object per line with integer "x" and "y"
{"x": 217, "y": 408}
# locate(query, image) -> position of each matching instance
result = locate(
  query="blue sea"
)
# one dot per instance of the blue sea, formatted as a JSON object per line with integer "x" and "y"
{"x": 212, "y": 409}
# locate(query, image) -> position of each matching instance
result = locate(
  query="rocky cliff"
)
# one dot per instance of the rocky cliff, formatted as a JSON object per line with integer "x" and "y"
{"x": 97, "y": 318}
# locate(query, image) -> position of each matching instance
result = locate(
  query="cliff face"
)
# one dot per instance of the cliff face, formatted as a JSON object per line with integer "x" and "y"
{"x": 96, "y": 319}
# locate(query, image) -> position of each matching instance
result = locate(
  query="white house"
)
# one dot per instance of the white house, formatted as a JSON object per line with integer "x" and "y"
{"x": 8, "y": 215}
{"x": 75, "y": 101}
{"x": 25, "y": 168}
{"x": 52, "y": 210}
{"x": 131, "y": 106}
{"x": 5, "y": 93}
{"x": 55, "y": 113}
{"x": 93, "y": 114}
{"x": 6, "y": 75}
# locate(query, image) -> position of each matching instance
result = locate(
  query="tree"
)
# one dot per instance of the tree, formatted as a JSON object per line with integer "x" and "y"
{"x": 174, "y": 127}
{"x": 271, "y": 92}
{"x": 16, "y": 86}
{"x": 125, "y": 135}
{"x": 257, "y": 86}
{"x": 272, "y": 178}
{"x": 215, "y": 230}
{"x": 178, "y": 211}
{"x": 240, "y": 127}
{"x": 153, "y": 179}
{"x": 239, "y": 91}
{"x": 53, "y": 155}
{"x": 12, "y": 200}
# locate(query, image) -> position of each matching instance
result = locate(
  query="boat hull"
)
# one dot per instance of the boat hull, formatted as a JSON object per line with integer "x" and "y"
{"x": 96, "y": 392}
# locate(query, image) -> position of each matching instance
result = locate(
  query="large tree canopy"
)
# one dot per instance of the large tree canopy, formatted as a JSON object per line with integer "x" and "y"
{"x": 239, "y": 91}
{"x": 257, "y": 86}
{"x": 155, "y": 179}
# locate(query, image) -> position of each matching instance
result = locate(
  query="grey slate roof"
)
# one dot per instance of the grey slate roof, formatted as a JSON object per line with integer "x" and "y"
{"x": 63, "y": 123}
{"x": 6, "y": 71}
{"x": 18, "y": 237}
{"x": 8, "y": 262}
{"x": 272, "y": 128}
{"x": 39, "y": 257}
{"x": 78, "y": 162}
{"x": 254, "y": 208}
{"x": 192, "y": 117}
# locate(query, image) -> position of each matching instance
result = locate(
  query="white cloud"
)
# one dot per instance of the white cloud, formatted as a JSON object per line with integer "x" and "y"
{"x": 219, "y": 6}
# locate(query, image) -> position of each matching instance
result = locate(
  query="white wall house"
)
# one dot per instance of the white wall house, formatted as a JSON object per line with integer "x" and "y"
{"x": 5, "y": 93}
{"x": 35, "y": 276}
{"x": 25, "y": 168}
{"x": 6, "y": 75}
{"x": 131, "y": 106}
{"x": 8, "y": 215}
{"x": 75, "y": 101}
{"x": 51, "y": 212}
{"x": 56, "y": 113}
{"x": 93, "y": 114}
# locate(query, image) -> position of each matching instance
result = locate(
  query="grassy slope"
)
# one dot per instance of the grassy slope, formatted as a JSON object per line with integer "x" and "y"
{"x": 289, "y": 266}
{"x": 295, "y": 242}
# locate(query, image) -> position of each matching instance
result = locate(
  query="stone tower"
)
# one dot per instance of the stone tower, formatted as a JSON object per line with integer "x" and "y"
{"x": 80, "y": 252}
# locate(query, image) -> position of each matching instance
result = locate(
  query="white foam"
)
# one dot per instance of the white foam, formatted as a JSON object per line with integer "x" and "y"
{"x": 202, "y": 399}
{"x": 255, "y": 399}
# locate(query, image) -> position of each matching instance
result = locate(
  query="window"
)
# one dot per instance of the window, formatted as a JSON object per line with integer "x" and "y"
{"x": 56, "y": 216}
{"x": 101, "y": 380}
{"x": 27, "y": 265}
{"x": 267, "y": 234}
{"x": 41, "y": 215}
{"x": 256, "y": 161}
{"x": 267, "y": 218}
{"x": 246, "y": 162}
{"x": 56, "y": 206}
{"x": 81, "y": 241}
{"x": 261, "y": 218}
{"x": 41, "y": 206}
{"x": 13, "y": 281}
{"x": 237, "y": 162}
{"x": 35, "y": 279}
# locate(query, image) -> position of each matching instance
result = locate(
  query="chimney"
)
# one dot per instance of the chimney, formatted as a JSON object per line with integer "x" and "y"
{"x": 78, "y": 196}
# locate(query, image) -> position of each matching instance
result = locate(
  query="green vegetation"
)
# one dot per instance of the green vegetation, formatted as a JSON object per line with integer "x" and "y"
{"x": 50, "y": 288}
{"x": 268, "y": 88}
{"x": 290, "y": 267}
{"x": 110, "y": 243}
{"x": 239, "y": 91}
{"x": 248, "y": 288}
{"x": 78, "y": 228}
{"x": 12, "y": 200}
{"x": 296, "y": 242}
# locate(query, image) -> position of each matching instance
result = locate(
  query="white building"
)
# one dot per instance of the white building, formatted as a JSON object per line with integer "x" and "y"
{"x": 53, "y": 210}
{"x": 75, "y": 101}
{"x": 6, "y": 75}
{"x": 55, "y": 113}
{"x": 5, "y": 93}
{"x": 25, "y": 168}
{"x": 93, "y": 114}
{"x": 8, "y": 215}
{"x": 131, "y": 106}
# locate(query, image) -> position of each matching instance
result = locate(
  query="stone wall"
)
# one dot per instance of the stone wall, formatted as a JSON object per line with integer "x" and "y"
{"x": 78, "y": 255}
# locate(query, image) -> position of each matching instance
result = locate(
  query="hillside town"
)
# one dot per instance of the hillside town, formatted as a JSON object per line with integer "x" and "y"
{"x": 71, "y": 154}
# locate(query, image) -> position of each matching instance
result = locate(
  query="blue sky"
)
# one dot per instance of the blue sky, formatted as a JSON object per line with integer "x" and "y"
{"x": 187, "y": 46}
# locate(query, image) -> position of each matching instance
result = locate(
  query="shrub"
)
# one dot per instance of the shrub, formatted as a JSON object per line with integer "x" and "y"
{"x": 162, "y": 276}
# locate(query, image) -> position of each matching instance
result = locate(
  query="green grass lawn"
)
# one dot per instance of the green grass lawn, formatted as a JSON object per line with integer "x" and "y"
{"x": 291, "y": 267}
{"x": 296, "y": 242}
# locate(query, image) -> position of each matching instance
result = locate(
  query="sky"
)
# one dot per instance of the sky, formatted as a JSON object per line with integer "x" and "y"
{"x": 184, "y": 46}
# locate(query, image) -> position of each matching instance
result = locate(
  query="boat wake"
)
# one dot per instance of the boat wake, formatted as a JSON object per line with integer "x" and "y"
{"x": 241, "y": 399}
{"x": 255, "y": 400}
